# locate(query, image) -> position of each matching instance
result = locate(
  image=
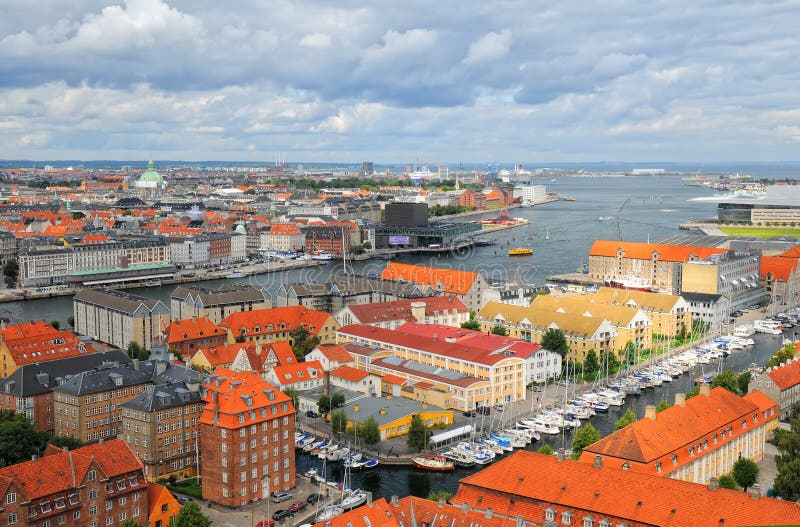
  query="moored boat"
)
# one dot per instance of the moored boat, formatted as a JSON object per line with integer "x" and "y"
{"x": 520, "y": 251}
{"x": 433, "y": 462}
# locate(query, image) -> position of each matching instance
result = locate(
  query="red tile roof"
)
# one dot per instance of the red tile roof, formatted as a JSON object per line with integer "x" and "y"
{"x": 470, "y": 337}
{"x": 194, "y": 328}
{"x": 786, "y": 375}
{"x": 401, "y": 309}
{"x": 794, "y": 252}
{"x": 241, "y": 393}
{"x": 778, "y": 267}
{"x": 27, "y": 329}
{"x": 393, "y": 379}
{"x": 60, "y": 471}
{"x": 335, "y": 352}
{"x": 446, "y": 280}
{"x": 223, "y": 354}
{"x": 284, "y": 229}
{"x": 46, "y": 346}
{"x": 526, "y": 483}
{"x": 644, "y": 251}
{"x": 349, "y": 373}
{"x": 275, "y": 320}
{"x": 298, "y": 372}
{"x": 282, "y": 351}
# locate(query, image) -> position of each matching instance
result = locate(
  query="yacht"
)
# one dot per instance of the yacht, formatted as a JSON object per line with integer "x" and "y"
{"x": 767, "y": 326}
{"x": 433, "y": 462}
{"x": 330, "y": 511}
{"x": 352, "y": 499}
{"x": 744, "y": 331}
{"x": 322, "y": 256}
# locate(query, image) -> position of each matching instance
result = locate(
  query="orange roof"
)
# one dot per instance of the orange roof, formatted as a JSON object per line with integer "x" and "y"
{"x": 157, "y": 497}
{"x": 192, "y": 329}
{"x": 241, "y": 393}
{"x": 46, "y": 347}
{"x": 401, "y": 309}
{"x": 786, "y": 375}
{"x": 223, "y": 354}
{"x": 780, "y": 269}
{"x": 282, "y": 351}
{"x": 393, "y": 379}
{"x": 27, "y": 329}
{"x": 794, "y": 252}
{"x": 761, "y": 400}
{"x": 349, "y": 373}
{"x": 675, "y": 428}
{"x": 298, "y": 372}
{"x": 644, "y": 251}
{"x": 285, "y": 229}
{"x": 526, "y": 483}
{"x": 275, "y": 320}
{"x": 446, "y": 280}
{"x": 59, "y": 471}
{"x": 335, "y": 352}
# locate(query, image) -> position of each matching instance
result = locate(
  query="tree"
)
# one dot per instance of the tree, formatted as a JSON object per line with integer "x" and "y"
{"x": 609, "y": 362}
{"x": 56, "y": 324}
{"x": 591, "y": 365}
{"x": 499, "y": 330}
{"x": 782, "y": 355}
{"x": 292, "y": 393}
{"x": 10, "y": 272}
{"x": 744, "y": 382}
{"x": 626, "y": 419}
{"x": 337, "y": 400}
{"x": 190, "y": 515}
{"x": 472, "y": 324}
{"x": 546, "y": 449}
{"x": 726, "y": 481}
{"x": 369, "y": 431}
{"x": 302, "y": 342}
{"x": 135, "y": 351}
{"x": 130, "y": 523}
{"x": 663, "y": 405}
{"x": 71, "y": 321}
{"x": 436, "y": 495}
{"x": 787, "y": 482}
{"x": 728, "y": 380}
{"x": 693, "y": 392}
{"x": 585, "y": 436}
{"x": 324, "y": 404}
{"x": 367, "y": 245}
{"x": 554, "y": 340}
{"x": 418, "y": 435}
{"x": 745, "y": 472}
{"x": 18, "y": 439}
{"x": 338, "y": 421}
{"x": 66, "y": 441}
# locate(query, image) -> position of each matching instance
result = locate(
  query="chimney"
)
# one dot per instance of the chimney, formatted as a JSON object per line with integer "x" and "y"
{"x": 215, "y": 403}
{"x": 713, "y": 484}
{"x": 598, "y": 461}
{"x": 560, "y": 454}
{"x": 650, "y": 412}
{"x": 418, "y": 311}
{"x": 136, "y": 364}
{"x": 680, "y": 399}
{"x": 705, "y": 389}
{"x": 755, "y": 491}
{"x": 34, "y": 458}
{"x": 442, "y": 502}
{"x": 395, "y": 501}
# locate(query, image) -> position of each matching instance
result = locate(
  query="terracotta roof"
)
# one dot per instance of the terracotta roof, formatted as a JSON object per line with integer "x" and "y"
{"x": 349, "y": 373}
{"x": 44, "y": 347}
{"x": 525, "y": 483}
{"x": 192, "y": 329}
{"x": 282, "y": 351}
{"x": 470, "y": 337}
{"x": 284, "y": 229}
{"x": 644, "y": 251}
{"x": 778, "y": 267}
{"x": 241, "y": 393}
{"x": 761, "y": 400}
{"x": 275, "y": 320}
{"x": 786, "y": 375}
{"x": 60, "y": 471}
{"x": 401, "y": 309}
{"x": 445, "y": 280}
{"x": 335, "y": 352}
{"x": 223, "y": 354}
{"x": 27, "y": 329}
{"x": 794, "y": 252}
{"x": 298, "y": 372}
{"x": 649, "y": 439}
{"x": 393, "y": 379}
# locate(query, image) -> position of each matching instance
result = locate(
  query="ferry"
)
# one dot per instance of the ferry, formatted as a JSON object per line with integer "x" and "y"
{"x": 323, "y": 256}
{"x": 520, "y": 251}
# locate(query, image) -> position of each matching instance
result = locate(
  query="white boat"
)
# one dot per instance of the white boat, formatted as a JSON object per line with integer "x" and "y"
{"x": 744, "y": 331}
{"x": 322, "y": 256}
{"x": 331, "y": 511}
{"x": 234, "y": 274}
{"x": 352, "y": 499}
{"x": 611, "y": 397}
{"x": 767, "y": 326}
{"x": 323, "y": 452}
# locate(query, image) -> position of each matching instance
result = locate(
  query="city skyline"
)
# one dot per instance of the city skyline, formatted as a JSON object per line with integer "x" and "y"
{"x": 470, "y": 82}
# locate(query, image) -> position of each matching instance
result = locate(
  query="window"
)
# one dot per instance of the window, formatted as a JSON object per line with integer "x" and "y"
{"x": 588, "y": 521}
{"x": 550, "y": 514}
{"x": 92, "y": 494}
{"x": 92, "y": 475}
{"x": 566, "y": 518}
{"x": 93, "y": 510}
{"x": 12, "y": 518}
{"x": 76, "y": 515}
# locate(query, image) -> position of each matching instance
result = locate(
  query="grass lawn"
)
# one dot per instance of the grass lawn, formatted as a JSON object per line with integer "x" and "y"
{"x": 761, "y": 232}
{"x": 188, "y": 487}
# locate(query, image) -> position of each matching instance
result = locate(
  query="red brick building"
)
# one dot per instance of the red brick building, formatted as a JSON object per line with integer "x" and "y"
{"x": 329, "y": 237}
{"x": 92, "y": 486}
{"x": 469, "y": 198}
{"x": 219, "y": 247}
{"x": 246, "y": 439}
{"x": 190, "y": 334}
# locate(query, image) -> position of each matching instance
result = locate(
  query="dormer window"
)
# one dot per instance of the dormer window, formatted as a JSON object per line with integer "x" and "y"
{"x": 60, "y": 503}
{"x": 566, "y": 518}
{"x": 550, "y": 514}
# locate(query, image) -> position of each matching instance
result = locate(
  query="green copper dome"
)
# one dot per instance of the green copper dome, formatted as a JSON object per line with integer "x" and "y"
{"x": 151, "y": 176}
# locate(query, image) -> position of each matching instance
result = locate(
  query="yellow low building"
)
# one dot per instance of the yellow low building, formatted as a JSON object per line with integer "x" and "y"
{"x": 394, "y": 414}
{"x": 667, "y": 312}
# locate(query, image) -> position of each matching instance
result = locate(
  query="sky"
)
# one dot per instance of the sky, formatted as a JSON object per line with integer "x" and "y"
{"x": 392, "y": 82}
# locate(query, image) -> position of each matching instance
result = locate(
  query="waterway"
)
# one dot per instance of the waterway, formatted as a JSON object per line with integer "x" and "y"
{"x": 386, "y": 481}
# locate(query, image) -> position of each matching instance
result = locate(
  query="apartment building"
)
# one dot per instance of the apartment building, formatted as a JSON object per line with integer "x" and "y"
{"x": 694, "y": 440}
{"x": 298, "y": 376}
{"x": 446, "y": 310}
{"x": 36, "y": 342}
{"x": 780, "y": 276}
{"x": 8, "y": 247}
{"x": 277, "y": 325}
{"x": 732, "y": 275}
{"x": 282, "y": 237}
{"x": 213, "y": 248}
{"x": 216, "y": 304}
{"x": 29, "y": 390}
{"x": 336, "y": 237}
{"x": 160, "y": 426}
{"x": 471, "y": 288}
{"x": 92, "y": 486}
{"x": 188, "y": 335}
{"x": 246, "y": 439}
{"x": 668, "y": 313}
{"x": 782, "y": 385}
{"x": 119, "y": 318}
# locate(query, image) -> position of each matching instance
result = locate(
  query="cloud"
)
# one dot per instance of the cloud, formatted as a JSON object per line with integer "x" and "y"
{"x": 491, "y": 46}
{"x": 316, "y": 41}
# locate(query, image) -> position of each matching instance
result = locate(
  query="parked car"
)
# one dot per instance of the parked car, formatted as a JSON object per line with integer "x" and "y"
{"x": 485, "y": 410}
{"x": 281, "y": 514}
{"x": 298, "y": 505}
{"x": 312, "y": 414}
{"x": 313, "y": 498}
{"x": 500, "y": 407}
{"x": 280, "y": 497}
{"x": 183, "y": 500}
{"x": 470, "y": 413}
{"x": 265, "y": 523}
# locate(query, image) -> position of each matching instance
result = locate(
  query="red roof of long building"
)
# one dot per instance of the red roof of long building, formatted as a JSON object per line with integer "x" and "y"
{"x": 446, "y": 280}
{"x": 335, "y": 352}
{"x": 644, "y": 251}
{"x": 192, "y": 329}
{"x": 778, "y": 267}
{"x": 275, "y": 320}
{"x": 46, "y": 346}
{"x": 401, "y": 309}
{"x": 527, "y": 482}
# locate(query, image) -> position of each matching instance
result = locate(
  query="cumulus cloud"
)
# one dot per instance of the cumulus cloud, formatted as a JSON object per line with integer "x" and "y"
{"x": 491, "y": 46}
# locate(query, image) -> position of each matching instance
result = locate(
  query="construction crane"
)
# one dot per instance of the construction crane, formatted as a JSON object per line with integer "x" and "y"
{"x": 619, "y": 214}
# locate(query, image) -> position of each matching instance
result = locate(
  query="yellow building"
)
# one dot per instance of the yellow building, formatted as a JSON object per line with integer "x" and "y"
{"x": 394, "y": 414}
{"x": 668, "y": 313}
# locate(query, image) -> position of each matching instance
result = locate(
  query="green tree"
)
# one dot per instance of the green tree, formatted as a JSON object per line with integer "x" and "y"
{"x": 367, "y": 245}
{"x": 472, "y": 324}
{"x": 663, "y": 405}
{"x": 136, "y": 351}
{"x": 682, "y": 332}
{"x": 418, "y": 435}
{"x": 626, "y": 419}
{"x": 337, "y": 400}
{"x": 787, "y": 482}
{"x": 66, "y": 441}
{"x": 693, "y": 392}
{"x": 10, "y": 272}
{"x": 609, "y": 362}
{"x": 745, "y": 472}
{"x": 436, "y": 495}
{"x": 744, "y": 382}
{"x": 324, "y": 404}
{"x": 302, "y": 342}
{"x": 369, "y": 431}
{"x": 339, "y": 421}
{"x": 591, "y": 365}
{"x": 728, "y": 380}
{"x": 726, "y": 481}
{"x": 71, "y": 321}
{"x": 127, "y": 522}
{"x": 18, "y": 439}
{"x": 554, "y": 340}
{"x": 190, "y": 515}
{"x": 585, "y": 436}
{"x": 292, "y": 393}
{"x": 546, "y": 449}
{"x": 56, "y": 324}
{"x": 782, "y": 355}
{"x": 499, "y": 330}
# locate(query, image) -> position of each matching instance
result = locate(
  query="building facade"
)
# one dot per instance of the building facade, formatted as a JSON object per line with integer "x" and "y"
{"x": 278, "y": 324}
{"x": 782, "y": 385}
{"x": 446, "y": 310}
{"x": 469, "y": 287}
{"x": 732, "y": 275}
{"x": 216, "y": 304}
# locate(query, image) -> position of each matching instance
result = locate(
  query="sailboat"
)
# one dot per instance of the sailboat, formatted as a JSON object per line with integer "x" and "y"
{"x": 350, "y": 498}
{"x": 547, "y": 234}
